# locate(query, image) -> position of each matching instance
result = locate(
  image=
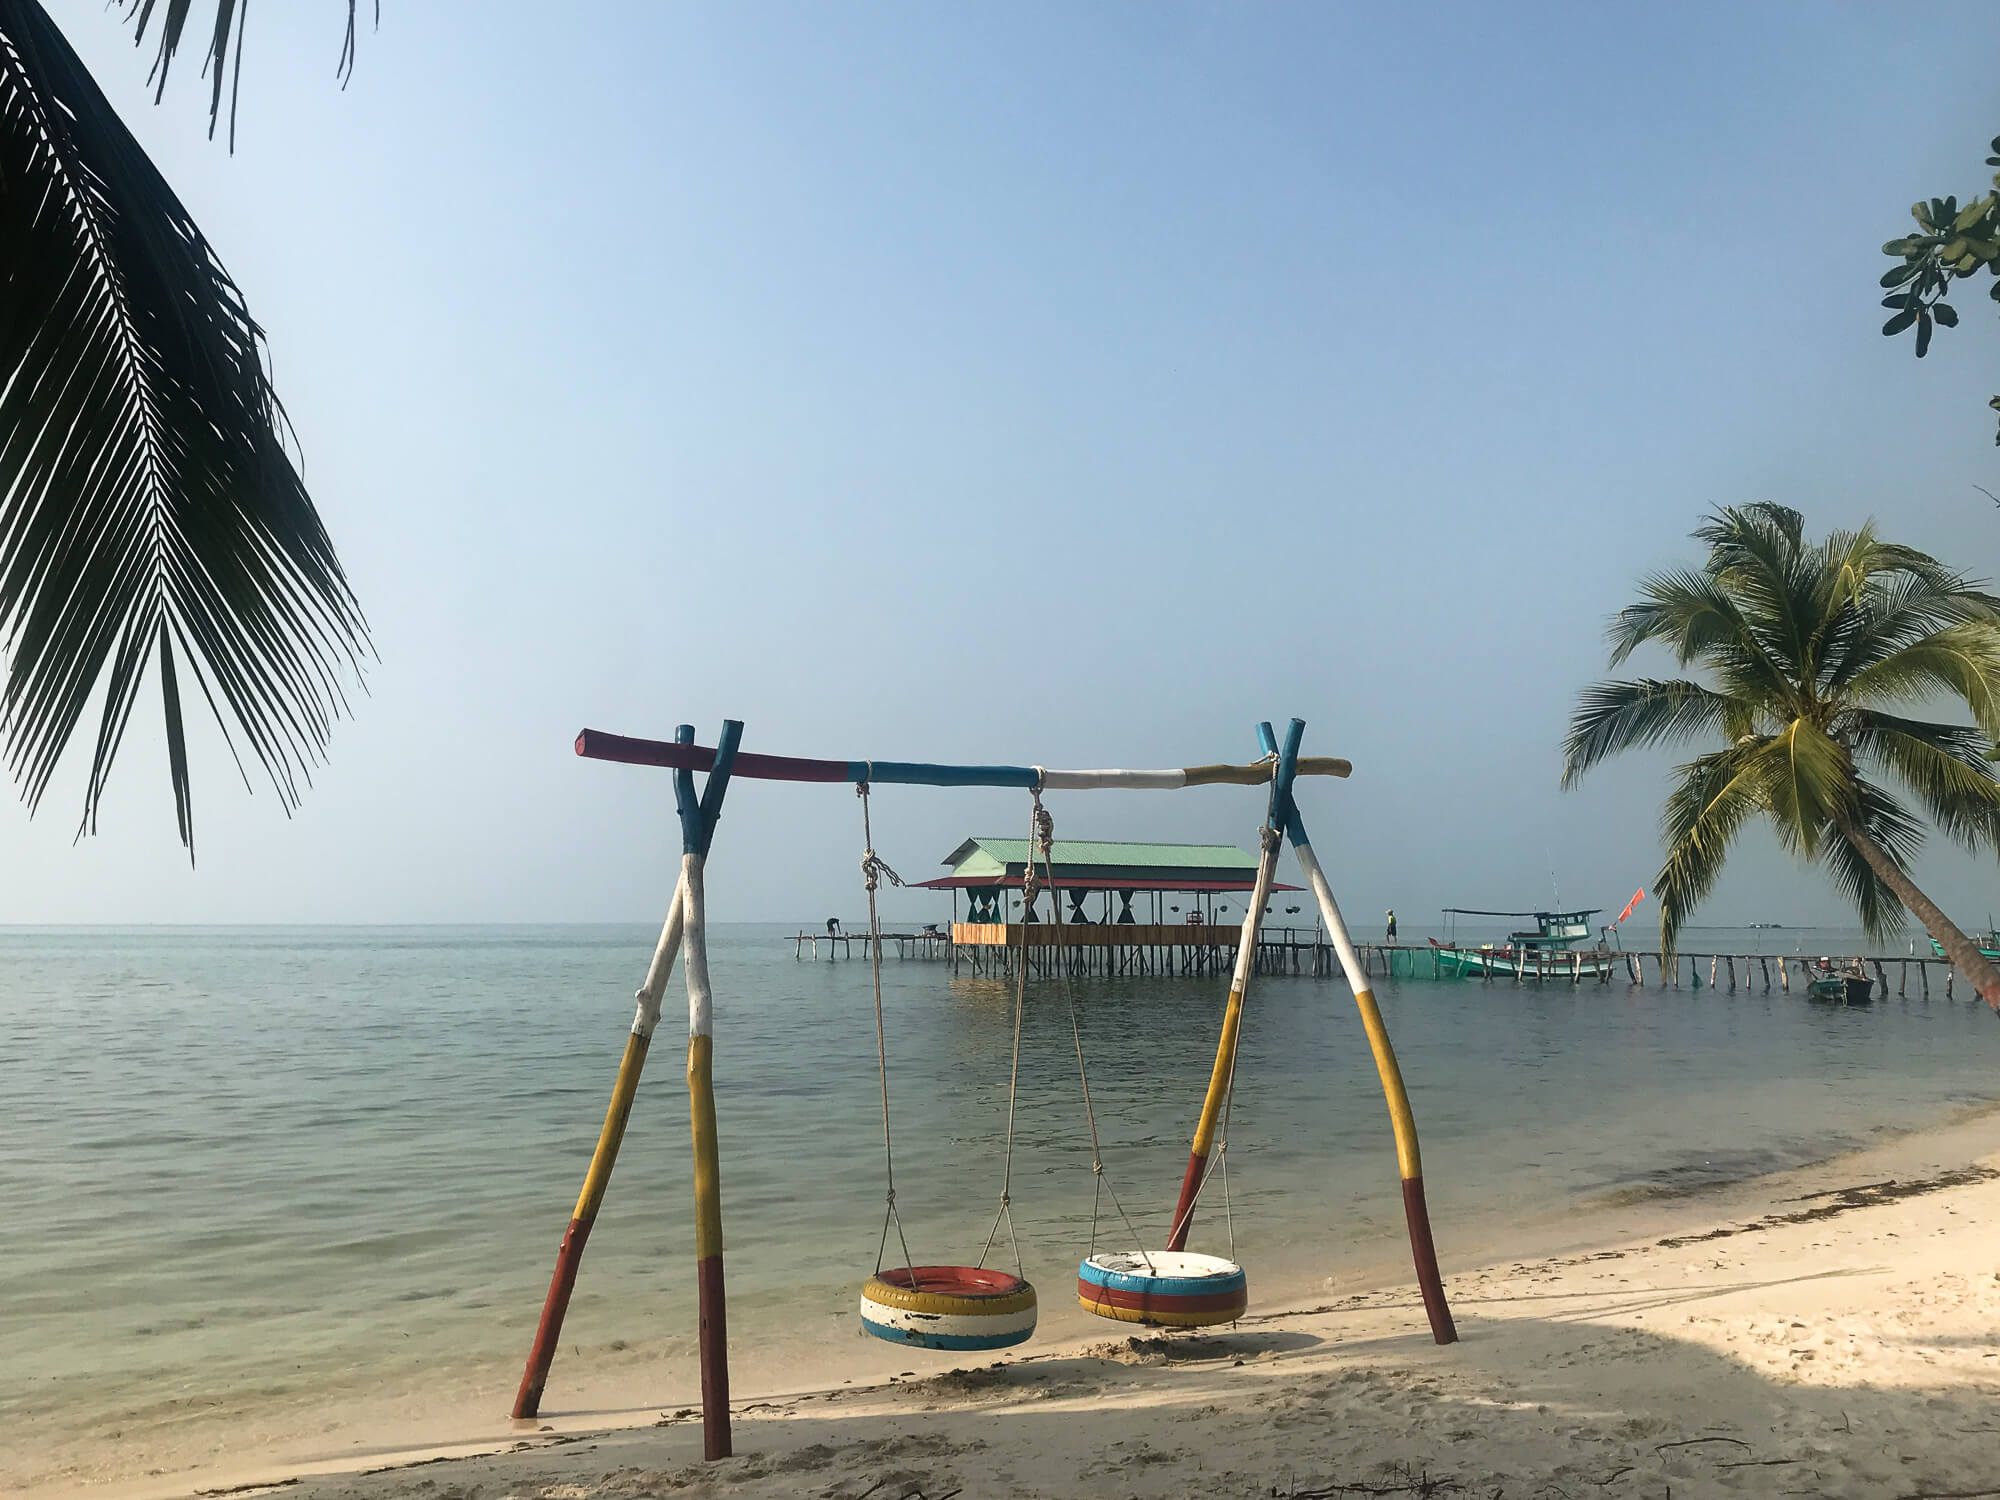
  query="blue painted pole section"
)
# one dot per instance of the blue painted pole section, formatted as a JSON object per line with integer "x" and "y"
{"x": 1294, "y": 825}
{"x": 917, "y": 773}
{"x": 684, "y": 798}
{"x": 718, "y": 781}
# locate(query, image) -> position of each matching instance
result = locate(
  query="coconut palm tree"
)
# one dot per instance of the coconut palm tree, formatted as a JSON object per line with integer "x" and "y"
{"x": 1807, "y": 648}
{"x": 152, "y": 518}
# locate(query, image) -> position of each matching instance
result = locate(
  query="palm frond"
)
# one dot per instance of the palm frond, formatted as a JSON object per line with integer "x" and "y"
{"x": 1890, "y": 825}
{"x": 1895, "y": 610}
{"x": 229, "y": 18}
{"x": 1757, "y": 555}
{"x": 1960, "y": 661}
{"x": 149, "y": 508}
{"x": 1945, "y": 768}
{"x": 1615, "y": 716}
{"x": 1714, "y": 796}
{"x": 1696, "y": 618}
{"x": 1806, "y": 785}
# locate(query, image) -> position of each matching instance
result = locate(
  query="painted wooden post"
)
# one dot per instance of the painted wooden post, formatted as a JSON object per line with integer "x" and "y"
{"x": 1409, "y": 1159}
{"x": 1232, "y": 1016}
{"x": 697, "y": 833}
{"x": 548, "y": 1332}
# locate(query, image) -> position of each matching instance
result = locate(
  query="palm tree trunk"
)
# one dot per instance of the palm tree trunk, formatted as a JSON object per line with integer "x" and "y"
{"x": 1960, "y": 949}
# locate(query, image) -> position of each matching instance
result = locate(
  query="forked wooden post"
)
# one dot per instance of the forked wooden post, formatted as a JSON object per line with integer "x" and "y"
{"x": 1408, "y": 1159}
{"x": 1224, "y": 1072}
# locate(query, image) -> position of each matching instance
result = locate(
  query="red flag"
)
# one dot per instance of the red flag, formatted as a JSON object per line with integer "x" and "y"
{"x": 1637, "y": 896}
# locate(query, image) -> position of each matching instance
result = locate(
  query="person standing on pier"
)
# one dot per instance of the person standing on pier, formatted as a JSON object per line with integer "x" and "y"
{"x": 1392, "y": 925}
{"x": 833, "y": 927}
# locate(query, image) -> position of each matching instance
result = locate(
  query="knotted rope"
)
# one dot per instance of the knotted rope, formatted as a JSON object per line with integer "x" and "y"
{"x": 872, "y": 869}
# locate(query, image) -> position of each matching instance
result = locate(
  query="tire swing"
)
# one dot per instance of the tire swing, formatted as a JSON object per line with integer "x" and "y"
{"x": 938, "y": 1307}
{"x": 1172, "y": 1288}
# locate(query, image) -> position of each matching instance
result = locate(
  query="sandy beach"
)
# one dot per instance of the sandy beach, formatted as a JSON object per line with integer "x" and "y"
{"x": 1829, "y": 1331}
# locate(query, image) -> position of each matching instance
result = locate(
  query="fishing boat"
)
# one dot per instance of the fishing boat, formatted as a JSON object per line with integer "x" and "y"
{"x": 1551, "y": 951}
{"x": 1989, "y": 946}
{"x": 1840, "y": 980}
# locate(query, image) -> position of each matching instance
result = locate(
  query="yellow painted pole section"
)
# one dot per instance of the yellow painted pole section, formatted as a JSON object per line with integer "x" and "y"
{"x": 707, "y": 1158}
{"x": 1225, "y": 1046}
{"x": 1409, "y": 1161}
{"x": 1261, "y": 772}
{"x": 1232, "y": 1016}
{"x": 598, "y": 1178}
{"x": 1218, "y": 1079}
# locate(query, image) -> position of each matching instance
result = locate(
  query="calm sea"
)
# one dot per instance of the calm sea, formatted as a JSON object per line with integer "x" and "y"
{"x": 257, "y": 1165}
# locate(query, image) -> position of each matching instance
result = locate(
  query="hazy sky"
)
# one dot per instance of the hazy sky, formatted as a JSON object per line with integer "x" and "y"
{"x": 1042, "y": 383}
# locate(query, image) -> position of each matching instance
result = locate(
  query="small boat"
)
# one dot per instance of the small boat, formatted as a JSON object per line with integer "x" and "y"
{"x": 1843, "y": 982}
{"x": 1989, "y": 946}
{"x": 1551, "y": 951}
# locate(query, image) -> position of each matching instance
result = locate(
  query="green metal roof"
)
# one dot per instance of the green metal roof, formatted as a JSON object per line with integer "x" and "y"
{"x": 1101, "y": 852}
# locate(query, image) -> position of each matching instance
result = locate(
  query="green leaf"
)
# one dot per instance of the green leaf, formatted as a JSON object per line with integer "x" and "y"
{"x": 150, "y": 509}
{"x": 1971, "y": 214}
{"x": 1897, "y": 275}
{"x": 1924, "y": 327}
{"x": 1946, "y": 314}
{"x": 1921, "y": 212}
{"x": 1901, "y": 321}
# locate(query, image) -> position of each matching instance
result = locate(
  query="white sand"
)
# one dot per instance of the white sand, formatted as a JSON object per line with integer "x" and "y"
{"x": 1808, "y": 1334}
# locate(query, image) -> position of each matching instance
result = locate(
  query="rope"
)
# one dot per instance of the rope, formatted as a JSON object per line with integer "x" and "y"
{"x": 1041, "y": 839}
{"x": 872, "y": 869}
{"x": 1006, "y": 1211}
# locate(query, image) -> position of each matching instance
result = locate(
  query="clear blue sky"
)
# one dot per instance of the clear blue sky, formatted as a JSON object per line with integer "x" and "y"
{"x": 1057, "y": 383}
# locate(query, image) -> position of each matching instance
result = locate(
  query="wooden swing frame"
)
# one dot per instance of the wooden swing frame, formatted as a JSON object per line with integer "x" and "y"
{"x": 686, "y": 925}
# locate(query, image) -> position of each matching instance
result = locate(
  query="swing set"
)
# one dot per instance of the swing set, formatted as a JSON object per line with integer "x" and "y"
{"x": 958, "y": 1307}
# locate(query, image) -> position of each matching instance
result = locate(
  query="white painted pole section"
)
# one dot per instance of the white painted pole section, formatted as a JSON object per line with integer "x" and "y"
{"x": 661, "y": 969}
{"x": 701, "y": 1003}
{"x": 1329, "y": 909}
{"x": 1246, "y": 944}
{"x": 1085, "y": 781}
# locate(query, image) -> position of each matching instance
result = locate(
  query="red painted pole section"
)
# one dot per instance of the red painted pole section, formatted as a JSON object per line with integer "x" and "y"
{"x": 1424, "y": 1252}
{"x": 595, "y": 744}
{"x": 1184, "y": 1210}
{"x": 528, "y": 1400}
{"x": 714, "y": 1342}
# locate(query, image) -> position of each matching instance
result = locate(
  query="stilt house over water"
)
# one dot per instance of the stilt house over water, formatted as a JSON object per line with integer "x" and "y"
{"x": 990, "y": 871}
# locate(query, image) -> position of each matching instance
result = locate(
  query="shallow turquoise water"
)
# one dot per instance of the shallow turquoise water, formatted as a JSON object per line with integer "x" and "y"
{"x": 244, "y": 1163}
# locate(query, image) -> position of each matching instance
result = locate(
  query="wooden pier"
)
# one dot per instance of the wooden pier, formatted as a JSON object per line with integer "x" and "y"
{"x": 1109, "y": 950}
{"x": 842, "y": 944}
